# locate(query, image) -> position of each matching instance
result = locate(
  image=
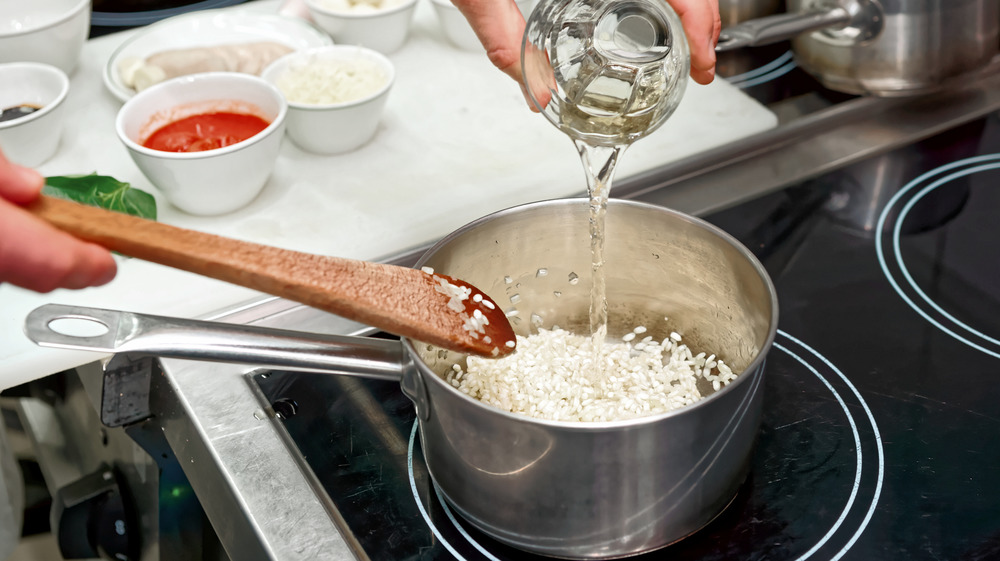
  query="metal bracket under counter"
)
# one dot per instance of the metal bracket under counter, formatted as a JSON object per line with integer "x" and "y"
{"x": 254, "y": 493}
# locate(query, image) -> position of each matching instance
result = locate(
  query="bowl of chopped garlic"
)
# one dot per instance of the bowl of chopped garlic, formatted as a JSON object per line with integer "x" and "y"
{"x": 336, "y": 95}
{"x": 382, "y": 25}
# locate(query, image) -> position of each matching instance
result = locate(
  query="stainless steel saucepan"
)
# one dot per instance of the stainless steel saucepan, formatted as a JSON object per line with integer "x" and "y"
{"x": 881, "y": 47}
{"x": 571, "y": 490}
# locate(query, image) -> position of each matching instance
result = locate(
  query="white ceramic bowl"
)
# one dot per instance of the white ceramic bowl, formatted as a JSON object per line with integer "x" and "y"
{"x": 384, "y": 30}
{"x": 457, "y": 29}
{"x": 32, "y": 139}
{"x": 332, "y": 128}
{"x": 48, "y": 31}
{"x": 209, "y": 182}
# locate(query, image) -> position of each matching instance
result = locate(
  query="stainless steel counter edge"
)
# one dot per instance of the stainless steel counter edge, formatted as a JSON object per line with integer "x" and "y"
{"x": 254, "y": 493}
{"x": 239, "y": 465}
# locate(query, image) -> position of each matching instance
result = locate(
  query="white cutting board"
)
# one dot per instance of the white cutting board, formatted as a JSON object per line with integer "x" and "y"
{"x": 456, "y": 142}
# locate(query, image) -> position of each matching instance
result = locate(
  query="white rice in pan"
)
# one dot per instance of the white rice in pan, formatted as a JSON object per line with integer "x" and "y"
{"x": 551, "y": 376}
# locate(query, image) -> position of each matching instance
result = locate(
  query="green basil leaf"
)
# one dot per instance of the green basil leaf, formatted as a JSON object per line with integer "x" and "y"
{"x": 102, "y": 191}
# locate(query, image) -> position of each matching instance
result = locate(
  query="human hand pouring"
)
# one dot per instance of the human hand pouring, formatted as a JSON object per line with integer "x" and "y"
{"x": 428, "y": 307}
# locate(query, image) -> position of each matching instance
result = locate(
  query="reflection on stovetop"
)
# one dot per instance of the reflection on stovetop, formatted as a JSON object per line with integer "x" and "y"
{"x": 880, "y": 407}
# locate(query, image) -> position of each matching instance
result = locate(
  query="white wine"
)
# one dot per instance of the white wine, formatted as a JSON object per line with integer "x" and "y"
{"x": 615, "y": 69}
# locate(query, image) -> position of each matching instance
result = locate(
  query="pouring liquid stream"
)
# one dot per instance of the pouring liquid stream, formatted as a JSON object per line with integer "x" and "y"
{"x": 599, "y": 178}
{"x": 604, "y": 117}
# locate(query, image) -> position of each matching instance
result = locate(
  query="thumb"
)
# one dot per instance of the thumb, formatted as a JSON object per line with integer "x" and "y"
{"x": 499, "y": 25}
{"x": 18, "y": 184}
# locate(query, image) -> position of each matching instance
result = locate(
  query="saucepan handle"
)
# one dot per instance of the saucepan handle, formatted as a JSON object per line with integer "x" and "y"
{"x": 771, "y": 29}
{"x": 127, "y": 332}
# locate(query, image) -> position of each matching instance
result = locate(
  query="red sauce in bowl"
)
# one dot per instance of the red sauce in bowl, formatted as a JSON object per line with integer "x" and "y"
{"x": 206, "y": 131}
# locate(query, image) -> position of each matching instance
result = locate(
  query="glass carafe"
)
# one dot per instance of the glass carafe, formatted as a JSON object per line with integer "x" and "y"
{"x": 606, "y": 72}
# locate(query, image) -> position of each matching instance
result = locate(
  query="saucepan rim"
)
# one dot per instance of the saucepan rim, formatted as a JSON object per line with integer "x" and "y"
{"x": 599, "y": 426}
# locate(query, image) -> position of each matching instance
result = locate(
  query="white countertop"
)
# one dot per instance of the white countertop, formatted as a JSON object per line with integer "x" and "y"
{"x": 456, "y": 142}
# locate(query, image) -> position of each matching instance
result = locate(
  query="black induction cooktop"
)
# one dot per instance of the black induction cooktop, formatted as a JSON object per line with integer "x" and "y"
{"x": 110, "y": 16}
{"x": 881, "y": 419}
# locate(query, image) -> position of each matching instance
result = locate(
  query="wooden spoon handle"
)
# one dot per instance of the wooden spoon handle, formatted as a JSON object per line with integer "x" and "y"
{"x": 239, "y": 262}
{"x": 371, "y": 293}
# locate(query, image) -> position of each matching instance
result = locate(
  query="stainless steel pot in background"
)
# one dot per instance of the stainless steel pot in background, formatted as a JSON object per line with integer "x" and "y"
{"x": 572, "y": 490}
{"x": 733, "y": 12}
{"x": 881, "y": 47}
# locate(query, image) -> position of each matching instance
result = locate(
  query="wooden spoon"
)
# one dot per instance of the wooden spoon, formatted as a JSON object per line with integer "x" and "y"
{"x": 404, "y": 301}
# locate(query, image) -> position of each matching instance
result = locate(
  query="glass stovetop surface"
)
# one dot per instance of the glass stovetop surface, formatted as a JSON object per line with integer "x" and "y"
{"x": 881, "y": 419}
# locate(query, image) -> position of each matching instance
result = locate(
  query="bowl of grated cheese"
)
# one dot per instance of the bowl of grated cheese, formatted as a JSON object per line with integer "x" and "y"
{"x": 383, "y": 25}
{"x": 336, "y": 95}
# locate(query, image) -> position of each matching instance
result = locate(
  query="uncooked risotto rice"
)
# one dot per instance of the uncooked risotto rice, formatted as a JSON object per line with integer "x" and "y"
{"x": 550, "y": 377}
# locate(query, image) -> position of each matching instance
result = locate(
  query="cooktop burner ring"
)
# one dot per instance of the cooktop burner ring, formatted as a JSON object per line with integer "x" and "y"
{"x": 773, "y": 70}
{"x": 927, "y": 183}
{"x": 785, "y": 343}
{"x": 880, "y": 464}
